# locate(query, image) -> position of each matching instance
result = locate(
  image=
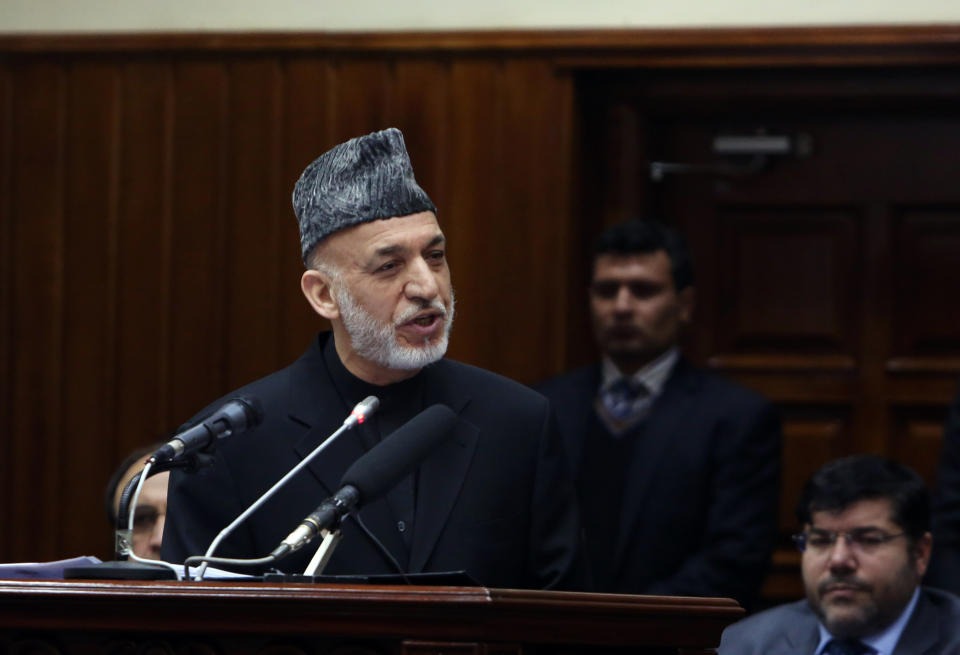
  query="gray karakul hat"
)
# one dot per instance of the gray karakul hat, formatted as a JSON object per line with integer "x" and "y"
{"x": 365, "y": 179}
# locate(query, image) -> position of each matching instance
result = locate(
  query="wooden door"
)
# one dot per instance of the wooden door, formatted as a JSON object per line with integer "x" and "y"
{"x": 827, "y": 277}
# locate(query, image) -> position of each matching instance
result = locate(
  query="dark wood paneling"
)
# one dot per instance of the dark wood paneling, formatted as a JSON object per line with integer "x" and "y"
{"x": 196, "y": 344}
{"x": 422, "y": 108}
{"x": 309, "y": 102}
{"x": 473, "y": 153}
{"x": 252, "y": 234}
{"x": 38, "y": 221}
{"x": 914, "y": 438}
{"x": 144, "y": 224}
{"x": 7, "y": 380}
{"x": 791, "y": 280}
{"x": 89, "y": 260}
{"x": 927, "y": 274}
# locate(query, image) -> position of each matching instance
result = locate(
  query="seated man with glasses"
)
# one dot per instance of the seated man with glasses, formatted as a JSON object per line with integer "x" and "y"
{"x": 866, "y": 544}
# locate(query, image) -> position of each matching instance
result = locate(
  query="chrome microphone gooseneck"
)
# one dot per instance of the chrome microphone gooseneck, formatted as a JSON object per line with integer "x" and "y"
{"x": 359, "y": 414}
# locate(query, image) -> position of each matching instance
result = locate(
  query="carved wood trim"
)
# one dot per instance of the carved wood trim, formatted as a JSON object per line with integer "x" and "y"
{"x": 897, "y": 44}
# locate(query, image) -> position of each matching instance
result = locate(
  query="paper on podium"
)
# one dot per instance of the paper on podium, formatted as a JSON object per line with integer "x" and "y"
{"x": 54, "y": 570}
{"x": 43, "y": 570}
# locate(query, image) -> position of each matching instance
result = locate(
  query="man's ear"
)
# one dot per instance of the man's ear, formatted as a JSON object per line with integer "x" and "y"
{"x": 688, "y": 300}
{"x": 922, "y": 548}
{"x": 316, "y": 289}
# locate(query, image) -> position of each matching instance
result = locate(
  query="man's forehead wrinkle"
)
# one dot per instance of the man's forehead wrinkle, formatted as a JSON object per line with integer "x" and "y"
{"x": 400, "y": 248}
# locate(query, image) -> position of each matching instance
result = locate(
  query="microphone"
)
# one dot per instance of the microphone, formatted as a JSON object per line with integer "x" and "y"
{"x": 358, "y": 414}
{"x": 375, "y": 473}
{"x": 234, "y": 417}
{"x": 363, "y": 409}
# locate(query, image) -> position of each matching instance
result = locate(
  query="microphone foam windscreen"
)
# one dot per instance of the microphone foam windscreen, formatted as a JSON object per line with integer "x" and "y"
{"x": 380, "y": 469}
{"x": 254, "y": 410}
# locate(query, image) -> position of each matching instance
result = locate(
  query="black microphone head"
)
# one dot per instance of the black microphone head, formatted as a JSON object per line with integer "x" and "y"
{"x": 235, "y": 416}
{"x": 253, "y": 410}
{"x": 391, "y": 460}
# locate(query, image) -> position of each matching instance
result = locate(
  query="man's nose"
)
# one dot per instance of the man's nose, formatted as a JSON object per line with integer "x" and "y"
{"x": 841, "y": 555}
{"x": 622, "y": 302}
{"x": 422, "y": 282}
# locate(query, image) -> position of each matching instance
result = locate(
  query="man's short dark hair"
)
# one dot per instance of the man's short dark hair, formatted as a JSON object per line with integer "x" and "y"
{"x": 638, "y": 237}
{"x": 842, "y": 482}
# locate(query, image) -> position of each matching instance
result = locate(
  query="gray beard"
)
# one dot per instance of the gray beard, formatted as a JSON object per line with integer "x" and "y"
{"x": 377, "y": 342}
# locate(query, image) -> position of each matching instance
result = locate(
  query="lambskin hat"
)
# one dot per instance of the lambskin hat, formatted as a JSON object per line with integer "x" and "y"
{"x": 365, "y": 179}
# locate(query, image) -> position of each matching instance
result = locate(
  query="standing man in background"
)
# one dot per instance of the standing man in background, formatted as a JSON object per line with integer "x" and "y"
{"x": 677, "y": 469}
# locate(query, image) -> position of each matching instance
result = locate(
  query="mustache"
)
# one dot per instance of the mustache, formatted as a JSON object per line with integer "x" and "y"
{"x": 436, "y": 304}
{"x": 845, "y": 582}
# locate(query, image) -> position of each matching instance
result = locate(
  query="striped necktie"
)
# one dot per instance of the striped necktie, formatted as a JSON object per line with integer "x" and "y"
{"x": 848, "y": 647}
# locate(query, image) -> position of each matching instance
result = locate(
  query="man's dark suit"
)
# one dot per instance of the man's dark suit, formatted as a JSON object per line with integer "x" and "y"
{"x": 934, "y": 629}
{"x": 494, "y": 500}
{"x": 944, "y": 571}
{"x": 701, "y": 495}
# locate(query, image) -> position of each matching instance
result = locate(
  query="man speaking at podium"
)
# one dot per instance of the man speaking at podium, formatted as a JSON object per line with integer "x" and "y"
{"x": 494, "y": 500}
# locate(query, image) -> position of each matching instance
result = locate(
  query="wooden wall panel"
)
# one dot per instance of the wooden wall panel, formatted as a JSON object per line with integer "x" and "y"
{"x": 791, "y": 280}
{"x": 927, "y": 275}
{"x": 527, "y": 238}
{"x": 36, "y": 203}
{"x": 144, "y": 162}
{"x": 252, "y": 231}
{"x": 7, "y": 461}
{"x": 809, "y": 438}
{"x": 89, "y": 260}
{"x": 309, "y": 105}
{"x": 914, "y": 438}
{"x": 473, "y": 154}
{"x": 196, "y": 345}
{"x": 422, "y": 109}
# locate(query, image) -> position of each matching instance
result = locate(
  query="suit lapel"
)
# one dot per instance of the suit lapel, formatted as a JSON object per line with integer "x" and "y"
{"x": 663, "y": 425}
{"x": 316, "y": 405}
{"x": 801, "y": 636}
{"x": 443, "y": 473}
{"x": 922, "y": 630}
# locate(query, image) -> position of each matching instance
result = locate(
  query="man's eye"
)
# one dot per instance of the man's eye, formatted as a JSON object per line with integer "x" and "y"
{"x": 389, "y": 266}
{"x": 437, "y": 255}
{"x": 641, "y": 290}
{"x": 144, "y": 520}
{"x": 870, "y": 538}
{"x": 606, "y": 289}
{"x": 819, "y": 540}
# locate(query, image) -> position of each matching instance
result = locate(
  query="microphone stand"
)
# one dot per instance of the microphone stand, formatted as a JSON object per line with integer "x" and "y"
{"x": 320, "y": 558}
{"x": 261, "y": 500}
{"x": 121, "y": 568}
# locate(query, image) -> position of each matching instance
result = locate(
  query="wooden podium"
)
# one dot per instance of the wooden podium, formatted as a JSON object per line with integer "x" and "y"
{"x": 226, "y": 618}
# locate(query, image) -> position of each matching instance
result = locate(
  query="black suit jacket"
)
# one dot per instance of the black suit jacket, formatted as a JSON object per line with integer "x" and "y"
{"x": 495, "y": 500}
{"x": 934, "y": 629}
{"x": 944, "y": 571}
{"x": 699, "y": 513}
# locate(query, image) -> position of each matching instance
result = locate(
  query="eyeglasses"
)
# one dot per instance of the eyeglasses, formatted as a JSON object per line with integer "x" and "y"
{"x": 862, "y": 539}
